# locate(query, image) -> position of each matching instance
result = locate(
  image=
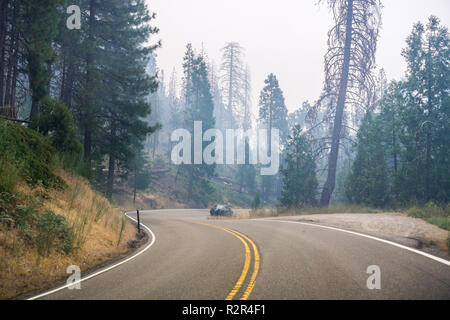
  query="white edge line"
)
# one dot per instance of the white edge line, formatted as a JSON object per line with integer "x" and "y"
{"x": 446, "y": 262}
{"x": 103, "y": 270}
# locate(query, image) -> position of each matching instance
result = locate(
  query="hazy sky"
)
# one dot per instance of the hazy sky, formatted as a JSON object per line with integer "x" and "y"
{"x": 284, "y": 37}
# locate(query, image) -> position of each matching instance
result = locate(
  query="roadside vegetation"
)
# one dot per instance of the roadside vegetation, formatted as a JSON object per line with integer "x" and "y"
{"x": 286, "y": 211}
{"x": 50, "y": 218}
{"x": 81, "y": 98}
{"x": 97, "y": 113}
{"x": 432, "y": 213}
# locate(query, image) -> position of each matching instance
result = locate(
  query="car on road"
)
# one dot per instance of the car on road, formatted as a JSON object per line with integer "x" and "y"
{"x": 221, "y": 211}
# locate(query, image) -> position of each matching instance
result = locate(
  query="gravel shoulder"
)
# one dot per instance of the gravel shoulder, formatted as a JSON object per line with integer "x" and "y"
{"x": 398, "y": 227}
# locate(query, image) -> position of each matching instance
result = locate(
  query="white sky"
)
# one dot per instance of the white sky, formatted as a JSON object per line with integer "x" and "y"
{"x": 284, "y": 37}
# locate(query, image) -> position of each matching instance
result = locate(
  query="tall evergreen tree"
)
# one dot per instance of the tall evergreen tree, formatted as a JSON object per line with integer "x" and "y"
{"x": 40, "y": 29}
{"x": 125, "y": 105}
{"x": 367, "y": 183}
{"x": 246, "y": 174}
{"x": 272, "y": 114}
{"x": 426, "y": 116}
{"x": 272, "y": 108}
{"x": 300, "y": 182}
{"x": 199, "y": 107}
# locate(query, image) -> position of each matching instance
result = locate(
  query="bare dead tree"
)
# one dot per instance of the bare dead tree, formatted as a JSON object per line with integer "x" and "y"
{"x": 349, "y": 87}
{"x": 247, "y": 120}
{"x": 232, "y": 80}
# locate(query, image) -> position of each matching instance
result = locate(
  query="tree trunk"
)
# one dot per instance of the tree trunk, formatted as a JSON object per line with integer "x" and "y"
{"x": 178, "y": 172}
{"x": 155, "y": 144}
{"x": 15, "y": 70}
{"x": 89, "y": 103}
{"x": 394, "y": 143}
{"x": 14, "y": 85}
{"x": 191, "y": 181}
{"x": 428, "y": 169}
{"x": 11, "y": 56}
{"x": 135, "y": 186}
{"x": 63, "y": 76}
{"x": 330, "y": 183}
{"x": 110, "y": 183}
{"x": 428, "y": 125}
{"x": 87, "y": 143}
{"x": 3, "y": 25}
{"x": 230, "y": 94}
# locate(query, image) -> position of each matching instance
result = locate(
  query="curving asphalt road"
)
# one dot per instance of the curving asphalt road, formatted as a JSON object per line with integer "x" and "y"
{"x": 195, "y": 258}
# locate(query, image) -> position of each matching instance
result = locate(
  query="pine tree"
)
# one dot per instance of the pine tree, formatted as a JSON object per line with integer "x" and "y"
{"x": 391, "y": 104}
{"x": 426, "y": 116}
{"x": 199, "y": 107}
{"x": 300, "y": 182}
{"x": 246, "y": 174}
{"x": 40, "y": 21}
{"x": 272, "y": 114}
{"x": 367, "y": 183}
{"x": 128, "y": 84}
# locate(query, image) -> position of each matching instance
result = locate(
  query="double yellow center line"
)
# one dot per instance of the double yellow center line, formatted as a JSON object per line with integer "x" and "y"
{"x": 248, "y": 259}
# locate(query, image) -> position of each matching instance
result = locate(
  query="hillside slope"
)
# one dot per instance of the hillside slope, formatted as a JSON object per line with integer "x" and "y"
{"x": 50, "y": 219}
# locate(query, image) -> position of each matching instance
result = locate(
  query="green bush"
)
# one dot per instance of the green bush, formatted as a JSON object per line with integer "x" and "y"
{"x": 44, "y": 230}
{"x": 9, "y": 175}
{"x": 256, "y": 204}
{"x": 25, "y": 218}
{"x": 25, "y": 154}
{"x": 56, "y": 122}
{"x": 53, "y": 231}
{"x": 7, "y": 203}
{"x": 432, "y": 213}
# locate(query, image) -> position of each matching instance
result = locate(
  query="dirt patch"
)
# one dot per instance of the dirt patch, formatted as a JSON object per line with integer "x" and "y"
{"x": 389, "y": 224}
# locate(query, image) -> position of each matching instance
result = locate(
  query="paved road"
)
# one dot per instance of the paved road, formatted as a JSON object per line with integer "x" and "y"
{"x": 197, "y": 258}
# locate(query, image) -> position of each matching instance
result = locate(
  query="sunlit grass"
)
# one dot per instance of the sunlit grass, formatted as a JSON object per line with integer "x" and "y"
{"x": 100, "y": 232}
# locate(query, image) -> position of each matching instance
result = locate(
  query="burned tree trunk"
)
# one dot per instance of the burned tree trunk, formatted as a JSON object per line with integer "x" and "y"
{"x": 330, "y": 183}
{"x": 349, "y": 84}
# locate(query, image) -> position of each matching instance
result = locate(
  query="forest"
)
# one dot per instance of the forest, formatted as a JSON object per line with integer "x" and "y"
{"x": 97, "y": 92}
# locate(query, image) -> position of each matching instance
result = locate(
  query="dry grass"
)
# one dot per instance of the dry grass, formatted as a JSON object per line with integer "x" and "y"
{"x": 100, "y": 234}
{"x": 277, "y": 212}
{"x": 144, "y": 201}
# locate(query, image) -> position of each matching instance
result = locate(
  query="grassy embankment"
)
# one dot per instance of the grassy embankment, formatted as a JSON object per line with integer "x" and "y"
{"x": 50, "y": 219}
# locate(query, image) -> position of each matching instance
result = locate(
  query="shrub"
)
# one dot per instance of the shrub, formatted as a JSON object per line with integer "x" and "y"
{"x": 53, "y": 230}
{"x": 256, "y": 204}
{"x": 432, "y": 213}
{"x": 56, "y": 122}
{"x": 26, "y": 154}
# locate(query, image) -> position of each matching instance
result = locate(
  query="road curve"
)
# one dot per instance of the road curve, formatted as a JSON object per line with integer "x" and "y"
{"x": 195, "y": 258}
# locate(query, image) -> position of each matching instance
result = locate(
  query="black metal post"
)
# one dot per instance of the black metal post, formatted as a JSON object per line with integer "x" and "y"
{"x": 139, "y": 222}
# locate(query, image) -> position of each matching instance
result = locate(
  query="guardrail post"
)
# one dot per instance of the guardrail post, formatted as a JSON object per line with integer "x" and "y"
{"x": 139, "y": 222}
